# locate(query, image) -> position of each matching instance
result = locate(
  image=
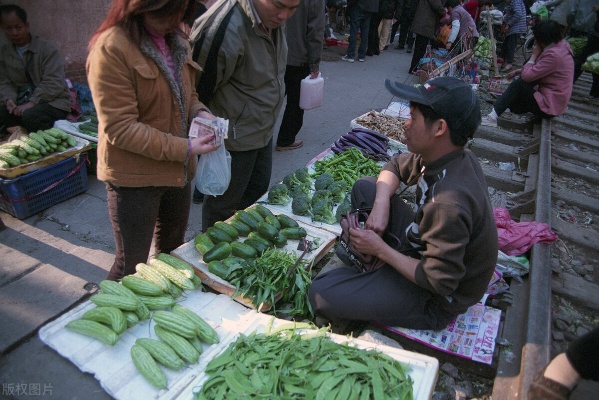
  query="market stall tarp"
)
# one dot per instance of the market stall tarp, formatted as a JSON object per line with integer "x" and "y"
{"x": 113, "y": 368}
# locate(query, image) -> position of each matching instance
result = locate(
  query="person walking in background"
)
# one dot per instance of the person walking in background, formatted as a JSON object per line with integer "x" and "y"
{"x": 545, "y": 86}
{"x": 591, "y": 47}
{"x": 142, "y": 81}
{"x": 406, "y": 37}
{"x": 360, "y": 12}
{"x": 241, "y": 47}
{"x": 561, "y": 376}
{"x": 384, "y": 13}
{"x": 462, "y": 25}
{"x": 384, "y": 28}
{"x": 424, "y": 25}
{"x": 33, "y": 90}
{"x": 514, "y": 25}
{"x": 305, "y": 34}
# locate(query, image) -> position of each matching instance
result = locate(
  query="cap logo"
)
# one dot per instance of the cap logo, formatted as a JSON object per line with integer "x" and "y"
{"x": 429, "y": 87}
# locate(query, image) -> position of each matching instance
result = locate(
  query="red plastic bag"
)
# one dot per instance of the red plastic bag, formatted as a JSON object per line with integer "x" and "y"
{"x": 75, "y": 113}
{"x": 516, "y": 238}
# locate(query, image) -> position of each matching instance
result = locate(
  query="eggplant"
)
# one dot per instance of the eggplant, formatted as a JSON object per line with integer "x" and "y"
{"x": 376, "y": 144}
{"x": 365, "y": 143}
{"x": 371, "y": 132}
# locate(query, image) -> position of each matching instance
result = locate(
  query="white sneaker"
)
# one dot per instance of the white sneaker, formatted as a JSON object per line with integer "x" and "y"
{"x": 346, "y": 58}
{"x": 487, "y": 120}
{"x": 361, "y": 59}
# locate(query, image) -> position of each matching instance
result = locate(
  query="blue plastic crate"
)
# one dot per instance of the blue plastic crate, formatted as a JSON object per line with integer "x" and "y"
{"x": 33, "y": 192}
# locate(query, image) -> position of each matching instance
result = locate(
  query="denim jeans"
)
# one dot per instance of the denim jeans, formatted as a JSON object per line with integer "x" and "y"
{"x": 359, "y": 20}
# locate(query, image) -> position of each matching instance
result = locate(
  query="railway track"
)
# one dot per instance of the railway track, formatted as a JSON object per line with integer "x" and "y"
{"x": 554, "y": 180}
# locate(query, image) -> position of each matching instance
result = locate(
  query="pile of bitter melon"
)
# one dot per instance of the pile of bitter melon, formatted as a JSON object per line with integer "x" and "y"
{"x": 34, "y": 146}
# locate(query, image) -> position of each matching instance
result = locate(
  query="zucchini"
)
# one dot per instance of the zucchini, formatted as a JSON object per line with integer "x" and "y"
{"x": 280, "y": 240}
{"x": 258, "y": 237}
{"x": 218, "y": 252}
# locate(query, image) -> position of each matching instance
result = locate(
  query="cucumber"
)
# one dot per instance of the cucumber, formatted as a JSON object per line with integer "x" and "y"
{"x": 203, "y": 243}
{"x": 258, "y": 237}
{"x": 266, "y": 230}
{"x": 228, "y": 229}
{"x": 220, "y": 251}
{"x": 294, "y": 233}
{"x": 218, "y": 235}
{"x": 218, "y": 268}
{"x": 287, "y": 222}
{"x": 272, "y": 220}
{"x": 244, "y": 217}
{"x": 257, "y": 245}
{"x": 255, "y": 214}
{"x": 280, "y": 240}
{"x": 241, "y": 228}
{"x": 243, "y": 250}
{"x": 264, "y": 212}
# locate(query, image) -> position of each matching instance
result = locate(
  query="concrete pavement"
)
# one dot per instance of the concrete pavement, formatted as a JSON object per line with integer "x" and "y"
{"x": 47, "y": 259}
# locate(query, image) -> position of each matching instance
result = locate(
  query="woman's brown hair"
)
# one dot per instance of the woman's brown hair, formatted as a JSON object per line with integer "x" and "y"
{"x": 128, "y": 14}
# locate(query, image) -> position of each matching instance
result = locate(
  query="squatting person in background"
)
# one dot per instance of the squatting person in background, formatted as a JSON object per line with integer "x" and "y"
{"x": 33, "y": 90}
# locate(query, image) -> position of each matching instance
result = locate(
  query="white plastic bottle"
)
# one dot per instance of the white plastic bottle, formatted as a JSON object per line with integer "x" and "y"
{"x": 311, "y": 92}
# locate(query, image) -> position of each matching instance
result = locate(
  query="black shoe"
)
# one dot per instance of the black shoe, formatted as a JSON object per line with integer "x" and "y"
{"x": 376, "y": 52}
{"x": 369, "y": 53}
{"x": 386, "y": 47}
{"x": 399, "y": 47}
{"x": 409, "y": 50}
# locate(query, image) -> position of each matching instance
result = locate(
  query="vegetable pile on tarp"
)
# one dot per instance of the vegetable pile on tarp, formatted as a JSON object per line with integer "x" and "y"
{"x": 371, "y": 143}
{"x": 592, "y": 64}
{"x": 285, "y": 365}
{"x": 348, "y": 166}
{"x": 577, "y": 44}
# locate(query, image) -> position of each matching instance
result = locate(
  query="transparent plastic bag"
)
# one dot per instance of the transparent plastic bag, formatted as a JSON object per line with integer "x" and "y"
{"x": 213, "y": 172}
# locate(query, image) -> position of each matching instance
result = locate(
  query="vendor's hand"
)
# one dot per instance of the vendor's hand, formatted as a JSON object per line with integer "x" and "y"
{"x": 448, "y": 45}
{"x": 19, "y": 110}
{"x": 513, "y": 73}
{"x": 314, "y": 74}
{"x": 378, "y": 220}
{"x": 536, "y": 52}
{"x": 505, "y": 28}
{"x": 11, "y": 105}
{"x": 202, "y": 144}
{"x": 366, "y": 241}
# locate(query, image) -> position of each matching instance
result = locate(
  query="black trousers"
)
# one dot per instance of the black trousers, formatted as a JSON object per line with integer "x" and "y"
{"x": 293, "y": 117}
{"x": 382, "y": 295}
{"x": 373, "y": 34}
{"x": 39, "y": 117}
{"x": 250, "y": 178}
{"x": 419, "y": 50}
{"x": 591, "y": 47}
{"x": 140, "y": 214}
{"x": 583, "y": 354}
{"x": 519, "y": 98}
{"x": 509, "y": 47}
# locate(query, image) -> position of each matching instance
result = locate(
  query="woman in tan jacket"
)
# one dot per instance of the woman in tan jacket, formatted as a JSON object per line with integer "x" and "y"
{"x": 142, "y": 81}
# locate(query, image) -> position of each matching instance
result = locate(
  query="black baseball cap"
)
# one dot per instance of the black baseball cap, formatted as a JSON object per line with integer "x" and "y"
{"x": 451, "y": 98}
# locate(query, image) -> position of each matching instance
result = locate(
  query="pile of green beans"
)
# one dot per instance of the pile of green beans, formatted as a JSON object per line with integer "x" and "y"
{"x": 348, "y": 166}
{"x": 287, "y": 365}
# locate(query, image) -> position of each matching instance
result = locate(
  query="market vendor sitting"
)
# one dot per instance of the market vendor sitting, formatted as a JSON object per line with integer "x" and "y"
{"x": 545, "y": 84}
{"x": 448, "y": 245}
{"x": 463, "y": 28}
{"x": 33, "y": 90}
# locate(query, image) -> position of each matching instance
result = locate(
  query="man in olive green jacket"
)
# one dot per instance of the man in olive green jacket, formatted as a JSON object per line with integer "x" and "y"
{"x": 241, "y": 46}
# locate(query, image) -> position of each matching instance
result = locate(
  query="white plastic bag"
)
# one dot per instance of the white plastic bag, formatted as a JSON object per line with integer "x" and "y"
{"x": 213, "y": 172}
